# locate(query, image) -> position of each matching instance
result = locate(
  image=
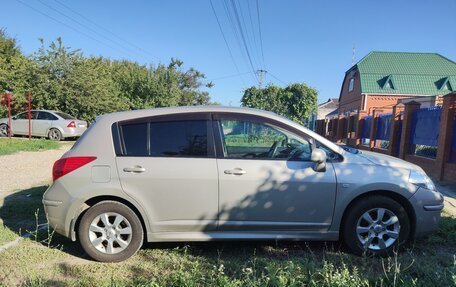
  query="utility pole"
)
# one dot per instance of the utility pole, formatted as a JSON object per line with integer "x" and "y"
{"x": 260, "y": 81}
{"x": 353, "y": 55}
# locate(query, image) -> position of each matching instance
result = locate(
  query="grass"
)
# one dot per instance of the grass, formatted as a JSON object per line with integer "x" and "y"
{"x": 426, "y": 262}
{"x": 14, "y": 145}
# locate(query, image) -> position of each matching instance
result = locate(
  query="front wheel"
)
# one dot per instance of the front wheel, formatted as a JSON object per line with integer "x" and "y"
{"x": 3, "y": 130}
{"x": 110, "y": 232}
{"x": 376, "y": 226}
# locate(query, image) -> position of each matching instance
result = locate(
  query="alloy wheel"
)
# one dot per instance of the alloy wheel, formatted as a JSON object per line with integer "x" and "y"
{"x": 110, "y": 233}
{"x": 378, "y": 229}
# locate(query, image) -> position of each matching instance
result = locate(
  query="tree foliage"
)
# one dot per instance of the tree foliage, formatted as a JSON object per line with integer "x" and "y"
{"x": 296, "y": 101}
{"x": 61, "y": 78}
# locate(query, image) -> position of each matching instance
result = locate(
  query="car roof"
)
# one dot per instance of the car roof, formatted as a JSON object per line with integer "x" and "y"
{"x": 111, "y": 118}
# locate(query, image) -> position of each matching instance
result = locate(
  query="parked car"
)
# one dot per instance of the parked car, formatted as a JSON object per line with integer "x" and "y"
{"x": 51, "y": 124}
{"x": 218, "y": 173}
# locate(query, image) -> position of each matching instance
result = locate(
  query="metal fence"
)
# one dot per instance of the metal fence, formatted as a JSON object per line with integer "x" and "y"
{"x": 382, "y": 134}
{"x": 424, "y": 133}
{"x": 366, "y": 129}
{"x": 453, "y": 141}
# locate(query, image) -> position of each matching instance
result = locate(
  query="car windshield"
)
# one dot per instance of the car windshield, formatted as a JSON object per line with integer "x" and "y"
{"x": 350, "y": 149}
{"x": 65, "y": 116}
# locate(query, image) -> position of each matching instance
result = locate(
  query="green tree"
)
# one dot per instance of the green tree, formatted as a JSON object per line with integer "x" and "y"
{"x": 296, "y": 101}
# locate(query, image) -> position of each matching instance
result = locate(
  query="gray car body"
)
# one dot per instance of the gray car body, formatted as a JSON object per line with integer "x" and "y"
{"x": 41, "y": 128}
{"x": 189, "y": 199}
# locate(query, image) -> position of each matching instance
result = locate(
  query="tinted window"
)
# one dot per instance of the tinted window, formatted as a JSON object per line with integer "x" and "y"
{"x": 179, "y": 139}
{"x": 251, "y": 140}
{"x": 134, "y": 139}
{"x": 65, "y": 116}
{"x": 21, "y": 116}
{"x": 46, "y": 116}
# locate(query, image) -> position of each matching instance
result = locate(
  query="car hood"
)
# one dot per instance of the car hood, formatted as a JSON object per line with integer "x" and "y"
{"x": 386, "y": 160}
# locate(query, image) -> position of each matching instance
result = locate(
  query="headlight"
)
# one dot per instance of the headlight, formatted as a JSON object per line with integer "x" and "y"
{"x": 420, "y": 179}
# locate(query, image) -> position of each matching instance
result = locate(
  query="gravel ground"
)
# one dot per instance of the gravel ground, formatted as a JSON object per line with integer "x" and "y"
{"x": 28, "y": 169}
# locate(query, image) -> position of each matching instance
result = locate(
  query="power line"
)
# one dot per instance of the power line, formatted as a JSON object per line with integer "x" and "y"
{"x": 276, "y": 78}
{"x": 236, "y": 33}
{"x": 106, "y": 30}
{"x": 233, "y": 4}
{"x": 259, "y": 30}
{"x": 253, "y": 30}
{"x": 90, "y": 29}
{"x": 70, "y": 27}
{"x": 230, "y": 76}
{"x": 224, "y": 38}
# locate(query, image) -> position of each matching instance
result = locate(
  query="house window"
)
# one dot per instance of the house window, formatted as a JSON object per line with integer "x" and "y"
{"x": 351, "y": 84}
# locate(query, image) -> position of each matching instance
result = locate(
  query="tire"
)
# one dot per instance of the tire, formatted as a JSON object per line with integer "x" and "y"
{"x": 55, "y": 135}
{"x": 376, "y": 238}
{"x": 95, "y": 236}
{"x": 3, "y": 130}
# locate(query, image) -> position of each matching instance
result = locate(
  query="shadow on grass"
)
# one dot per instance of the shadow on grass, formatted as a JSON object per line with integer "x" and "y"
{"x": 172, "y": 264}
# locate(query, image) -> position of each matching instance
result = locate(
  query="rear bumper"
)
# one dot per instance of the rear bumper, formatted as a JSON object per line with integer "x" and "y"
{"x": 60, "y": 209}
{"x": 73, "y": 132}
{"x": 428, "y": 206}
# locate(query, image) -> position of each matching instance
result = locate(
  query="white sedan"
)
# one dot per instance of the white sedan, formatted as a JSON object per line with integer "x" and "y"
{"x": 51, "y": 124}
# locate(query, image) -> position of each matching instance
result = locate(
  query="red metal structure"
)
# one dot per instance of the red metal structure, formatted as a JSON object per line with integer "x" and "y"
{"x": 29, "y": 116}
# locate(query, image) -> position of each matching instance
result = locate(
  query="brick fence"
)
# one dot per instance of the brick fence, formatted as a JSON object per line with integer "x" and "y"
{"x": 359, "y": 131}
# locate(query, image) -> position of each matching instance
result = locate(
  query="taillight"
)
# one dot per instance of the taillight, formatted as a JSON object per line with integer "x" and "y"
{"x": 72, "y": 124}
{"x": 67, "y": 165}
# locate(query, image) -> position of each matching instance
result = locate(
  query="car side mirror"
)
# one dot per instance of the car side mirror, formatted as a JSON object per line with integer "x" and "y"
{"x": 319, "y": 158}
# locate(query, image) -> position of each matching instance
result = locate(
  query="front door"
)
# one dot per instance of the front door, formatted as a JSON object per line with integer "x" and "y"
{"x": 19, "y": 124}
{"x": 267, "y": 181}
{"x": 168, "y": 165}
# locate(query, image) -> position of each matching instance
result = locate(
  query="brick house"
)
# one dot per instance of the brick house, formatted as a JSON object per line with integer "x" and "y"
{"x": 382, "y": 79}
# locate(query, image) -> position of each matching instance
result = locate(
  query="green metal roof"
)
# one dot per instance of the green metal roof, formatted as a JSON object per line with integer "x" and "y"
{"x": 407, "y": 73}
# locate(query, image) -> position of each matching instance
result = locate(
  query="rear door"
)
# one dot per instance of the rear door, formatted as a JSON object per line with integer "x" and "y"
{"x": 168, "y": 164}
{"x": 42, "y": 123}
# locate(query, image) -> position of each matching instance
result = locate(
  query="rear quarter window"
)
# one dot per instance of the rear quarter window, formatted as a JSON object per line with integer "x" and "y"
{"x": 134, "y": 139}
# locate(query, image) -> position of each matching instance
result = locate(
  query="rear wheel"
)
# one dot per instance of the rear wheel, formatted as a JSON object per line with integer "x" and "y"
{"x": 110, "y": 232}
{"x": 376, "y": 226}
{"x": 55, "y": 135}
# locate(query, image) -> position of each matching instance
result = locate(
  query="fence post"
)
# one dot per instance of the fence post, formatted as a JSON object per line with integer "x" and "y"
{"x": 340, "y": 128}
{"x": 409, "y": 108}
{"x": 445, "y": 133}
{"x": 359, "y": 128}
{"x": 395, "y": 138}
{"x": 373, "y": 131}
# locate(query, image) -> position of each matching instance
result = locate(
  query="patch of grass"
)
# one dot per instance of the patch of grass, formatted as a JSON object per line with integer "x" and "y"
{"x": 6, "y": 235}
{"x": 425, "y": 262}
{"x": 8, "y": 146}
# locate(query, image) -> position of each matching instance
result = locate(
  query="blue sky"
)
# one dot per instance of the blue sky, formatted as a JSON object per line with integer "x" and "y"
{"x": 303, "y": 41}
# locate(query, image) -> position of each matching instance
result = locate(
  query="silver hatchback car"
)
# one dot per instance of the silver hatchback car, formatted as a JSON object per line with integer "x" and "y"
{"x": 54, "y": 125}
{"x": 218, "y": 173}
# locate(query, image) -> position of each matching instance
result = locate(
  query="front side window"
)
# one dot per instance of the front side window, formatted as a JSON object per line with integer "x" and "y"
{"x": 179, "y": 139}
{"x": 21, "y": 116}
{"x": 251, "y": 140}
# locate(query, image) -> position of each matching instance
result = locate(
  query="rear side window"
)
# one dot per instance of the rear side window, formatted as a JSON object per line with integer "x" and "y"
{"x": 46, "y": 116}
{"x": 134, "y": 139}
{"x": 179, "y": 139}
{"x": 188, "y": 137}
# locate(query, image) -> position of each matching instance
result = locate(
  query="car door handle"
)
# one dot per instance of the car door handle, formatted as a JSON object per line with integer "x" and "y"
{"x": 236, "y": 171}
{"x": 135, "y": 169}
